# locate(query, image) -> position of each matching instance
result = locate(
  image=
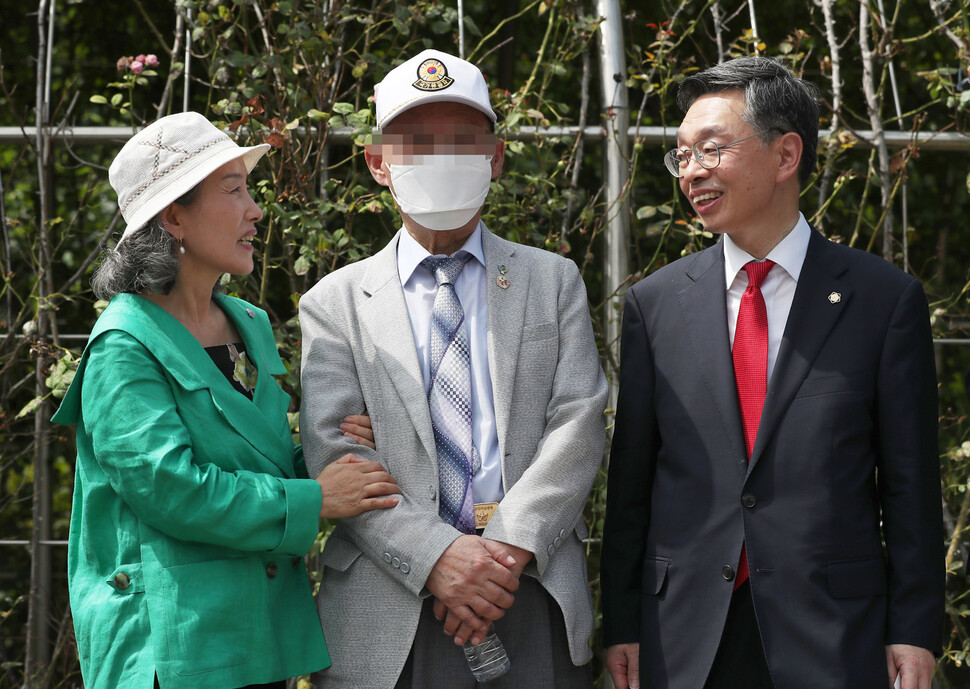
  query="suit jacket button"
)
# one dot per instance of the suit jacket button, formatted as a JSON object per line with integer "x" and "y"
{"x": 387, "y": 558}
{"x": 122, "y": 581}
{"x": 557, "y": 542}
{"x": 405, "y": 568}
{"x": 551, "y": 549}
{"x": 749, "y": 500}
{"x": 562, "y": 533}
{"x": 727, "y": 571}
{"x": 396, "y": 563}
{"x": 271, "y": 570}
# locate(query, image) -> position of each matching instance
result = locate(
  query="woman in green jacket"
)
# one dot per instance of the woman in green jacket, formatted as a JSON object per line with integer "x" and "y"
{"x": 192, "y": 510}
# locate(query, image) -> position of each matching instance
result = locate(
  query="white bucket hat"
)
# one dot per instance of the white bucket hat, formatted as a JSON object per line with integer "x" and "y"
{"x": 166, "y": 159}
{"x": 428, "y": 77}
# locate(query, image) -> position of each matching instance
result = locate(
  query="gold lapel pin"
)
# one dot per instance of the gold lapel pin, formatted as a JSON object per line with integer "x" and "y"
{"x": 835, "y": 298}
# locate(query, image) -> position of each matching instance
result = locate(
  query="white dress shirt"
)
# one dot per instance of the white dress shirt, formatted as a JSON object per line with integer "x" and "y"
{"x": 420, "y": 288}
{"x": 778, "y": 288}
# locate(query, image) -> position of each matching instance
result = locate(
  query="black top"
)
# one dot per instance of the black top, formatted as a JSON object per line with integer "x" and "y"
{"x": 235, "y": 366}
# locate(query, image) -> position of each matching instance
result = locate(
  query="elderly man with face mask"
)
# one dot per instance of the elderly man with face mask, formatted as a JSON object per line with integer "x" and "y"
{"x": 476, "y": 361}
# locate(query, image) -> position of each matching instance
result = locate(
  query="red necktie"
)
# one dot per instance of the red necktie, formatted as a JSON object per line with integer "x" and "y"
{"x": 750, "y": 355}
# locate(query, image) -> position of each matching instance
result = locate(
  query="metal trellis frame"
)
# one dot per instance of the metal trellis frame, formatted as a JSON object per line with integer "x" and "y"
{"x": 615, "y": 135}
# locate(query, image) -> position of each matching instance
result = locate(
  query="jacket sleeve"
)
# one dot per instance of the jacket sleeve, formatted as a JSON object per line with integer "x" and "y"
{"x": 909, "y": 476}
{"x": 548, "y": 499}
{"x": 633, "y": 456}
{"x": 408, "y": 532}
{"x": 142, "y": 444}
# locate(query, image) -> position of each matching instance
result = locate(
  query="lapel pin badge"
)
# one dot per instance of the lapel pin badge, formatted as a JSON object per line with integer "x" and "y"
{"x": 503, "y": 269}
{"x": 835, "y": 298}
{"x": 502, "y": 282}
{"x": 250, "y": 313}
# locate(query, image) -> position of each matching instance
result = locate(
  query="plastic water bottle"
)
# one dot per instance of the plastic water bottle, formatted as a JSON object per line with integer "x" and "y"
{"x": 487, "y": 660}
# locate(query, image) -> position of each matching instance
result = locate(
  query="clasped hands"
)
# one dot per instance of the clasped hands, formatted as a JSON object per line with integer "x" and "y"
{"x": 473, "y": 583}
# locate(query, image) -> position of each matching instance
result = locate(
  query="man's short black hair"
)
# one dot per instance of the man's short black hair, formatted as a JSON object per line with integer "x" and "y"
{"x": 776, "y": 101}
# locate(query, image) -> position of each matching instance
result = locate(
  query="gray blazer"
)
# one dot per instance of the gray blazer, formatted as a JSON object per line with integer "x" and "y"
{"x": 549, "y": 393}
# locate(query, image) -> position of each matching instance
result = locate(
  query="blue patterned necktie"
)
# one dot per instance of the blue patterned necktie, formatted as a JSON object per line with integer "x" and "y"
{"x": 449, "y": 395}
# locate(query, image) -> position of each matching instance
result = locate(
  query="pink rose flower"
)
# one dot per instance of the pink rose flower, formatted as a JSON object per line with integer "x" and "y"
{"x": 123, "y": 63}
{"x": 151, "y": 61}
{"x": 140, "y": 58}
{"x": 137, "y": 67}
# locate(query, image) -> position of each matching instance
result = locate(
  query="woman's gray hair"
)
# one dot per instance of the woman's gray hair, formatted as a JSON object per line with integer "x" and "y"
{"x": 775, "y": 100}
{"x": 146, "y": 262}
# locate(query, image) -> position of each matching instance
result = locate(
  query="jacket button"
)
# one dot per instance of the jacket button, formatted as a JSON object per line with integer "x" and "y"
{"x": 557, "y": 542}
{"x": 551, "y": 549}
{"x": 749, "y": 500}
{"x": 271, "y": 570}
{"x": 122, "y": 581}
{"x": 727, "y": 571}
{"x": 387, "y": 558}
{"x": 405, "y": 568}
{"x": 396, "y": 563}
{"x": 562, "y": 533}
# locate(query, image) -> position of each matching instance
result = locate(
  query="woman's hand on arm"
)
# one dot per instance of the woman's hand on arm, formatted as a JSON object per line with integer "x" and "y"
{"x": 352, "y": 485}
{"x": 358, "y": 428}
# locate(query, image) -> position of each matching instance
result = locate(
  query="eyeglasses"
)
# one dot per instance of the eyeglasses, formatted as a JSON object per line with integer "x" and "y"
{"x": 706, "y": 153}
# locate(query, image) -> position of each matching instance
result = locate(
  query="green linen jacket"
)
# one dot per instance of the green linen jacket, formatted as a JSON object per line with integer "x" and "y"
{"x": 190, "y": 517}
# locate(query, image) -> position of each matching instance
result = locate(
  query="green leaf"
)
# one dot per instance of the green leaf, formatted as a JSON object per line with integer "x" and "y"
{"x": 471, "y": 26}
{"x": 343, "y": 108}
{"x": 98, "y": 99}
{"x": 302, "y": 265}
{"x": 61, "y": 375}
{"x": 116, "y": 99}
{"x": 30, "y": 407}
{"x": 646, "y": 212}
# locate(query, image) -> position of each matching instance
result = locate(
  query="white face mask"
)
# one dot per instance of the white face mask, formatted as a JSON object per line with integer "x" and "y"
{"x": 441, "y": 192}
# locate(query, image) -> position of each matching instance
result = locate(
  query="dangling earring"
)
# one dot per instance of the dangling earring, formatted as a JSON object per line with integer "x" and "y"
{"x": 181, "y": 248}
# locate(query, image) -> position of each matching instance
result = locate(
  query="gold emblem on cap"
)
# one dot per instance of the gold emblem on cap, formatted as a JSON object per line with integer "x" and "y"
{"x": 432, "y": 76}
{"x": 835, "y": 298}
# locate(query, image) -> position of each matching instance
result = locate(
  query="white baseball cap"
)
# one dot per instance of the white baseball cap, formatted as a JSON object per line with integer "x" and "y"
{"x": 428, "y": 77}
{"x": 166, "y": 159}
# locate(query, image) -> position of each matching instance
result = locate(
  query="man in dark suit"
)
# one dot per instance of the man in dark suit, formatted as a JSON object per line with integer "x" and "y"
{"x": 774, "y": 513}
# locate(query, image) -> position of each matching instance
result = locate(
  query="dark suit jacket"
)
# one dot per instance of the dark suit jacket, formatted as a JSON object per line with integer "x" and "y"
{"x": 839, "y": 506}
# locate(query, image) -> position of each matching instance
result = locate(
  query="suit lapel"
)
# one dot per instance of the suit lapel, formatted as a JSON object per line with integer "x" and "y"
{"x": 384, "y": 316}
{"x": 703, "y": 306}
{"x": 812, "y": 316}
{"x": 506, "y": 315}
{"x": 189, "y": 364}
{"x": 257, "y": 420}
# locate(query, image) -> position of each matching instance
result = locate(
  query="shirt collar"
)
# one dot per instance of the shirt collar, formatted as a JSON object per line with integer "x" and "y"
{"x": 789, "y": 253}
{"x": 410, "y": 253}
